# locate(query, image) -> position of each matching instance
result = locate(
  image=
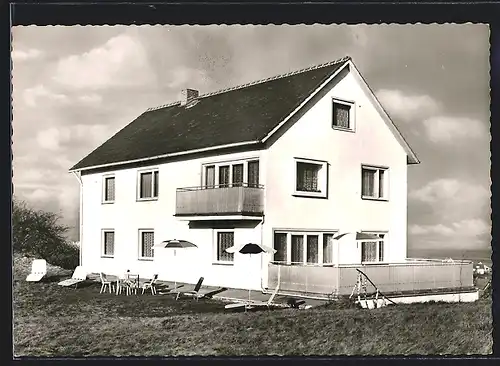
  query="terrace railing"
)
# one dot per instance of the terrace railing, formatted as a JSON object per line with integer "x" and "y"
{"x": 240, "y": 199}
{"x": 417, "y": 276}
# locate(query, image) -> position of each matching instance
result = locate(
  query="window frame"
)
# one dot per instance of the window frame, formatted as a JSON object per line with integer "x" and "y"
{"x": 377, "y": 247}
{"x": 215, "y": 252}
{"x": 139, "y": 176}
{"x": 230, "y": 164}
{"x": 376, "y": 183}
{"x": 322, "y": 178}
{"x": 104, "y": 190}
{"x": 305, "y": 233}
{"x": 103, "y": 243}
{"x": 352, "y": 114}
{"x": 139, "y": 254}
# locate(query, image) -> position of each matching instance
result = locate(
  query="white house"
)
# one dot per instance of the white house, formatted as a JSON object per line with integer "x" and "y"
{"x": 289, "y": 162}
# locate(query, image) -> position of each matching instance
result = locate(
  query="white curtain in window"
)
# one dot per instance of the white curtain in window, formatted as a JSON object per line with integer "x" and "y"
{"x": 312, "y": 249}
{"x": 109, "y": 243}
{"x": 368, "y": 182}
{"x": 280, "y": 247}
{"x": 341, "y": 115}
{"x": 297, "y": 248}
{"x": 147, "y": 244}
{"x": 225, "y": 240}
{"x": 328, "y": 242}
{"x": 146, "y": 185}
{"x": 110, "y": 189}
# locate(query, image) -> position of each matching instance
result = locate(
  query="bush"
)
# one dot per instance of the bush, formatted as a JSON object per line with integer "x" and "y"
{"x": 39, "y": 234}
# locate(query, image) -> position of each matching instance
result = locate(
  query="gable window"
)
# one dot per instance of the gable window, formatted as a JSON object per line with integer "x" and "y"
{"x": 109, "y": 189}
{"x": 373, "y": 250}
{"x": 148, "y": 184}
{"x": 225, "y": 239}
{"x": 374, "y": 183}
{"x": 304, "y": 248}
{"x": 108, "y": 243}
{"x": 146, "y": 242}
{"x": 242, "y": 173}
{"x": 342, "y": 115}
{"x": 310, "y": 178}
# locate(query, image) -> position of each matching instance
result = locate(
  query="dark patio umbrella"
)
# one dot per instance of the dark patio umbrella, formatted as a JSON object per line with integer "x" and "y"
{"x": 175, "y": 244}
{"x": 250, "y": 248}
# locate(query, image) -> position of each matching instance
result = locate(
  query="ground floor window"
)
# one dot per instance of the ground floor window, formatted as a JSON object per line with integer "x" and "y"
{"x": 146, "y": 242}
{"x": 224, "y": 240}
{"x": 373, "y": 250}
{"x": 294, "y": 247}
{"x": 108, "y": 243}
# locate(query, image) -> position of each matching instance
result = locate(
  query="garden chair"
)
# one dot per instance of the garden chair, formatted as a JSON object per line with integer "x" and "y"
{"x": 195, "y": 292}
{"x": 150, "y": 285}
{"x": 105, "y": 282}
{"x": 79, "y": 275}
{"x": 38, "y": 270}
{"x": 130, "y": 282}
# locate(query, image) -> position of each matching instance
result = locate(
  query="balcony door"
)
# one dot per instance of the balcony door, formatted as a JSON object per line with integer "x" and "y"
{"x": 224, "y": 176}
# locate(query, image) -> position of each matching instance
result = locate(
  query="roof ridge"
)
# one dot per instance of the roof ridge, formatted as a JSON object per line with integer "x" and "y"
{"x": 309, "y": 68}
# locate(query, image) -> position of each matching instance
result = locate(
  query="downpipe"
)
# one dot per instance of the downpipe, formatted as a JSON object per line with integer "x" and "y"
{"x": 262, "y": 257}
{"x": 79, "y": 179}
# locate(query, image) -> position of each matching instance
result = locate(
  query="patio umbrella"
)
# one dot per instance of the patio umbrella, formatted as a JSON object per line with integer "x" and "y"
{"x": 250, "y": 248}
{"x": 175, "y": 244}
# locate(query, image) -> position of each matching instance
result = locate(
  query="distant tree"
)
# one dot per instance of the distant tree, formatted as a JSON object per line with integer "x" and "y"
{"x": 39, "y": 233}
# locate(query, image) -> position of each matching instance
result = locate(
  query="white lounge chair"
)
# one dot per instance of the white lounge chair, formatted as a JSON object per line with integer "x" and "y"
{"x": 150, "y": 285}
{"x": 38, "y": 270}
{"x": 79, "y": 275}
{"x": 105, "y": 282}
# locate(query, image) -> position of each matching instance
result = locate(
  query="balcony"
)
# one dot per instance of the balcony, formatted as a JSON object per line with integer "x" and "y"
{"x": 242, "y": 200}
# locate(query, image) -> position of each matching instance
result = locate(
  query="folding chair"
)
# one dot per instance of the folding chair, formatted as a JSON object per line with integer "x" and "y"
{"x": 38, "y": 270}
{"x": 105, "y": 282}
{"x": 150, "y": 285}
{"x": 195, "y": 292}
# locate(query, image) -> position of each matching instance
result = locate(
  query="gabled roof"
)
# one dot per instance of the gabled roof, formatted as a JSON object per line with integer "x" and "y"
{"x": 245, "y": 114}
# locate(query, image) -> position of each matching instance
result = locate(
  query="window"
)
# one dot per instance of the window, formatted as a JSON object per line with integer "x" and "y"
{"x": 224, "y": 176}
{"x": 280, "y": 247}
{"x": 146, "y": 242}
{"x": 374, "y": 183}
{"x": 373, "y": 251}
{"x": 108, "y": 243}
{"x": 237, "y": 175}
{"x": 148, "y": 184}
{"x": 225, "y": 239}
{"x": 109, "y": 189}
{"x": 240, "y": 173}
{"x": 343, "y": 115}
{"x": 301, "y": 248}
{"x": 210, "y": 176}
{"x": 310, "y": 178}
{"x": 253, "y": 173}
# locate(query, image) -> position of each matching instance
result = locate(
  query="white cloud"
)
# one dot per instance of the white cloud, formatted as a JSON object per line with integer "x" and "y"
{"x": 92, "y": 99}
{"x": 405, "y": 106}
{"x": 20, "y": 55}
{"x": 120, "y": 61}
{"x": 467, "y": 228}
{"x": 53, "y": 138}
{"x": 32, "y": 95}
{"x": 449, "y": 129}
{"x": 183, "y": 77}
{"x": 447, "y": 189}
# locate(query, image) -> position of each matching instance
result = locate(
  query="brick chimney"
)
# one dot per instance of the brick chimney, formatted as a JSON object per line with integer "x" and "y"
{"x": 189, "y": 97}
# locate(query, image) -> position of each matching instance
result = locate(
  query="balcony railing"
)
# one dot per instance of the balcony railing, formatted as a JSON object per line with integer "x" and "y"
{"x": 241, "y": 199}
{"x": 414, "y": 276}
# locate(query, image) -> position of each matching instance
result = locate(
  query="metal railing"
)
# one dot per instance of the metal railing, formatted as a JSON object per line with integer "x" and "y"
{"x": 417, "y": 276}
{"x": 241, "y": 198}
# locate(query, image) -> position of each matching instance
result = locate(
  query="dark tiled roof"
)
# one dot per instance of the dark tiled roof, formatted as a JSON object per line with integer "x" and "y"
{"x": 240, "y": 114}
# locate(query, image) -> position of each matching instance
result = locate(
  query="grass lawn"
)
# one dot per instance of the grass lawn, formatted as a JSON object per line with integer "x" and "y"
{"x": 53, "y": 321}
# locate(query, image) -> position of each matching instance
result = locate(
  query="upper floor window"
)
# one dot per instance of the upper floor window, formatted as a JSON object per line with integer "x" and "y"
{"x": 148, "y": 184}
{"x": 310, "y": 178}
{"x": 374, "y": 183}
{"x": 108, "y": 189}
{"x": 342, "y": 115}
{"x": 146, "y": 242}
{"x": 373, "y": 250}
{"x": 231, "y": 174}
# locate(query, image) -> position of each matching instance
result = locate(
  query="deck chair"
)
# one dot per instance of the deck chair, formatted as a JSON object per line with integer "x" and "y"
{"x": 80, "y": 275}
{"x": 38, "y": 270}
{"x": 150, "y": 285}
{"x": 195, "y": 292}
{"x": 105, "y": 283}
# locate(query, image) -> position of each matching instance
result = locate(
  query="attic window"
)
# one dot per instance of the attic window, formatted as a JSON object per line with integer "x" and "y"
{"x": 343, "y": 115}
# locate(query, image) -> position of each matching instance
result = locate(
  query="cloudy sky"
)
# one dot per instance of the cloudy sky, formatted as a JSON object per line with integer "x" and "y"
{"x": 73, "y": 87}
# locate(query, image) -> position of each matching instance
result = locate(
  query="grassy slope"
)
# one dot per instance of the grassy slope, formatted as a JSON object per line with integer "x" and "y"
{"x": 50, "y": 320}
